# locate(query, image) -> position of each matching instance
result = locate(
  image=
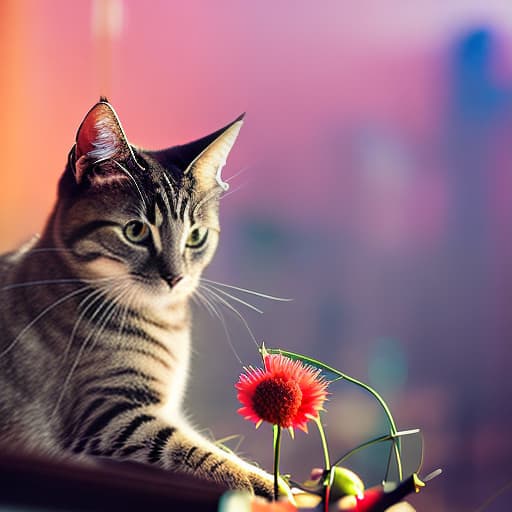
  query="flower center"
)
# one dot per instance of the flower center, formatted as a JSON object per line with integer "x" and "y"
{"x": 277, "y": 401}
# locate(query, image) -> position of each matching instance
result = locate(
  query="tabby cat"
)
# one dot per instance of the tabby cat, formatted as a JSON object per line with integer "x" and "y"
{"x": 94, "y": 314}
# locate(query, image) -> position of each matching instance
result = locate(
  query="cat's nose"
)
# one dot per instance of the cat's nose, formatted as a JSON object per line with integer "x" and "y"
{"x": 173, "y": 280}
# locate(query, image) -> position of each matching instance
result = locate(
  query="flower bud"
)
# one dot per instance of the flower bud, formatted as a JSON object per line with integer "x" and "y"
{"x": 344, "y": 483}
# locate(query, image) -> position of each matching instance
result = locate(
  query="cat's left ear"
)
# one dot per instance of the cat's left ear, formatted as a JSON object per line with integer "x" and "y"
{"x": 202, "y": 160}
{"x": 100, "y": 137}
{"x": 206, "y": 168}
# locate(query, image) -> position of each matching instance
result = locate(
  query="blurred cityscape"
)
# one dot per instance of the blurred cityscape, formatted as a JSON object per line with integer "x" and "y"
{"x": 372, "y": 184}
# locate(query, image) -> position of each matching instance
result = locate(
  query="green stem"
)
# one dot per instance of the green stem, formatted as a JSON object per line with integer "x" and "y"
{"x": 376, "y": 396}
{"x": 323, "y": 366}
{"x": 277, "y": 451}
{"x": 383, "y": 404}
{"x": 325, "y": 449}
{"x": 377, "y": 440}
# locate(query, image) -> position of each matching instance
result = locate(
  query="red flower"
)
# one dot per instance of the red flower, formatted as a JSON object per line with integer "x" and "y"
{"x": 286, "y": 393}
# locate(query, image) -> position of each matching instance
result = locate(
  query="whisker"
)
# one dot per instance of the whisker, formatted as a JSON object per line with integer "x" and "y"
{"x": 200, "y": 299}
{"x": 98, "y": 295}
{"x": 226, "y": 294}
{"x": 232, "y": 191}
{"x": 241, "y": 171}
{"x": 220, "y": 316}
{"x": 234, "y": 310}
{"x": 125, "y": 313}
{"x": 109, "y": 313}
{"x": 209, "y": 301}
{"x": 84, "y": 345}
{"x": 245, "y": 290}
{"x": 37, "y": 283}
{"x": 41, "y": 315}
{"x": 228, "y": 336}
{"x": 59, "y": 281}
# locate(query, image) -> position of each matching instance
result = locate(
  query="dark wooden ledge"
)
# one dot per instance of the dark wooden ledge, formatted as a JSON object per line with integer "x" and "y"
{"x": 35, "y": 482}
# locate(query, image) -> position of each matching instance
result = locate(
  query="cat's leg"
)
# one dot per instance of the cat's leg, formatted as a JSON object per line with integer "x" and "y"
{"x": 133, "y": 434}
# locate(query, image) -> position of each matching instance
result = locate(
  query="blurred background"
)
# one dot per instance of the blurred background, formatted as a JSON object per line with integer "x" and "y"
{"x": 371, "y": 183}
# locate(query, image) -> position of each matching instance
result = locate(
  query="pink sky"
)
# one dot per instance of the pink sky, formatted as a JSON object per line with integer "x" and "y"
{"x": 306, "y": 74}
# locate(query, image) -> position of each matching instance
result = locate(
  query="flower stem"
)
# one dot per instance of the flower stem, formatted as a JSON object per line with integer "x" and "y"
{"x": 277, "y": 451}
{"x": 391, "y": 421}
{"x": 339, "y": 375}
{"x": 325, "y": 449}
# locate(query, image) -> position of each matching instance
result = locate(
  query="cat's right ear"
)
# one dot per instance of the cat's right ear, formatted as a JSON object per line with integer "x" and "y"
{"x": 100, "y": 137}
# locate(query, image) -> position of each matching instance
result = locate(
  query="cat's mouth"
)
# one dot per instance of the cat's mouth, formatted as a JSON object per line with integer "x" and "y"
{"x": 152, "y": 290}
{"x": 170, "y": 289}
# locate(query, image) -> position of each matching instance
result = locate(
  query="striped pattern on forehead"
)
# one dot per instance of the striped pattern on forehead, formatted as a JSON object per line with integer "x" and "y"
{"x": 171, "y": 200}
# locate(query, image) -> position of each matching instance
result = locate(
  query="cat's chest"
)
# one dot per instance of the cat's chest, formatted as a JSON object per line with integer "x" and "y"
{"x": 148, "y": 358}
{"x": 174, "y": 349}
{"x": 156, "y": 343}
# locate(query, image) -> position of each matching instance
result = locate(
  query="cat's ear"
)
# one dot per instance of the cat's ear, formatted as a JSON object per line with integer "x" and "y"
{"x": 100, "y": 137}
{"x": 202, "y": 160}
{"x": 211, "y": 154}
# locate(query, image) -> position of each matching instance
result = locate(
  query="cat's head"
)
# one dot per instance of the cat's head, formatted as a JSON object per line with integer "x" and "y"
{"x": 149, "y": 218}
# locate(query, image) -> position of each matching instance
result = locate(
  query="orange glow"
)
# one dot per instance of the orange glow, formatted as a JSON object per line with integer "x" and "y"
{"x": 13, "y": 55}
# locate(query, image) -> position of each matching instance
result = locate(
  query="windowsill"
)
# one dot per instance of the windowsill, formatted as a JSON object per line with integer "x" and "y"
{"x": 32, "y": 482}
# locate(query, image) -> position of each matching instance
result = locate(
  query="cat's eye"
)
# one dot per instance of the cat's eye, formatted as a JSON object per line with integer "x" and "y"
{"x": 197, "y": 237}
{"x": 136, "y": 231}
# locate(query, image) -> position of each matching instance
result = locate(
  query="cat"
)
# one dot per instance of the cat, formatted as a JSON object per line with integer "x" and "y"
{"x": 94, "y": 313}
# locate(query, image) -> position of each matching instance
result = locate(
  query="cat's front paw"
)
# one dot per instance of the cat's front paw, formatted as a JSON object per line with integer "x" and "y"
{"x": 263, "y": 485}
{"x": 239, "y": 475}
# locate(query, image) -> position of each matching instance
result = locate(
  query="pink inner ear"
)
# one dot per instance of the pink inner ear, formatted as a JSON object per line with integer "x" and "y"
{"x": 87, "y": 134}
{"x": 100, "y": 136}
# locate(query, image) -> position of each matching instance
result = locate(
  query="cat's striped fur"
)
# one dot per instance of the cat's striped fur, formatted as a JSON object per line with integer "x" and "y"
{"x": 95, "y": 323}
